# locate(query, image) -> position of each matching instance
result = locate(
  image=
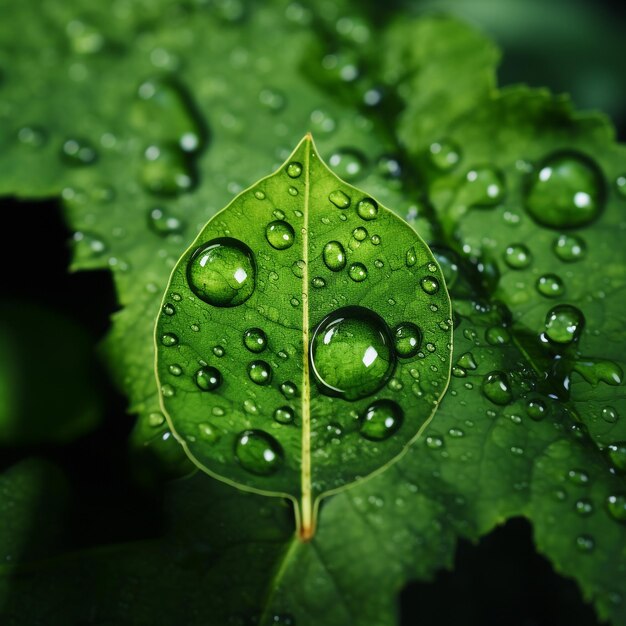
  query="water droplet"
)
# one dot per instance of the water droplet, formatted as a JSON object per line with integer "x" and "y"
{"x": 381, "y": 420}
{"x": 280, "y": 235}
{"x": 32, "y": 136}
{"x": 359, "y": 233}
{"x": 595, "y": 371}
{"x": 351, "y": 353}
{"x": 255, "y": 340}
{"x": 168, "y": 391}
{"x": 219, "y": 351}
{"x": 389, "y": 166}
{"x": 260, "y": 372}
{"x": 175, "y": 370}
{"x": 567, "y": 190}
{"x": 497, "y": 336}
{"x": 163, "y": 113}
{"x": 79, "y": 152}
{"x": 584, "y": 507}
{"x": 411, "y": 257}
{"x": 496, "y": 388}
{"x": 569, "y": 248}
{"x": 444, "y": 155}
{"x": 434, "y": 443}
{"x": 222, "y": 272}
{"x": 357, "y": 272}
{"x": 585, "y": 543}
{"x": 260, "y": 195}
{"x": 407, "y": 339}
{"x": 288, "y": 389}
{"x": 550, "y": 286}
{"x": 348, "y": 164}
{"x": 156, "y": 419}
{"x": 163, "y": 223}
{"x": 616, "y": 505}
{"x": 284, "y": 415}
{"x": 297, "y": 268}
{"x": 294, "y": 169}
{"x": 293, "y": 191}
{"x": 563, "y": 324}
{"x": 339, "y": 199}
{"x": 467, "y": 361}
{"x": 430, "y": 285}
{"x": 318, "y": 282}
{"x": 617, "y": 454}
{"x": 609, "y": 414}
{"x": 536, "y": 409}
{"x": 483, "y": 188}
{"x": 258, "y": 452}
{"x": 578, "y": 477}
{"x": 367, "y": 209}
{"x": 208, "y": 378}
{"x": 517, "y": 256}
{"x": 620, "y": 185}
{"x": 334, "y": 256}
{"x": 208, "y": 432}
{"x": 169, "y": 339}
{"x": 272, "y": 99}
{"x": 166, "y": 170}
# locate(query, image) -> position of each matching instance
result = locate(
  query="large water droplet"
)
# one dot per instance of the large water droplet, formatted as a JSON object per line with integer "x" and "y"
{"x": 351, "y": 353}
{"x": 407, "y": 339}
{"x": 260, "y": 372}
{"x": 381, "y": 420}
{"x": 564, "y": 323}
{"x": 569, "y": 248}
{"x": 280, "y": 235}
{"x": 334, "y": 256}
{"x": 255, "y": 340}
{"x": 222, "y": 272}
{"x": 258, "y": 452}
{"x": 348, "y": 164}
{"x": 208, "y": 378}
{"x": 367, "y": 208}
{"x": 566, "y": 191}
{"x": 496, "y": 388}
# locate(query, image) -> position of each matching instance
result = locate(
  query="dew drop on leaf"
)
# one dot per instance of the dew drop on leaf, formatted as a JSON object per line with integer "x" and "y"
{"x": 351, "y": 353}
{"x": 258, "y": 452}
{"x": 517, "y": 256}
{"x": 536, "y": 409}
{"x": 334, "y": 256}
{"x": 367, "y": 209}
{"x": 578, "y": 477}
{"x": 280, "y": 234}
{"x": 208, "y": 432}
{"x": 444, "y": 155}
{"x": 584, "y": 507}
{"x": 609, "y": 414}
{"x": 169, "y": 339}
{"x": 163, "y": 223}
{"x": 166, "y": 170}
{"x": 380, "y": 420}
{"x": 357, "y": 272}
{"x": 567, "y": 190}
{"x": 284, "y": 415}
{"x": 496, "y": 388}
{"x": 550, "y": 285}
{"x": 222, "y": 272}
{"x": 563, "y": 324}
{"x": 348, "y": 164}
{"x": 620, "y": 185}
{"x": 294, "y": 169}
{"x": 288, "y": 389}
{"x": 617, "y": 454}
{"x": 208, "y": 378}
{"x": 483, "y": 188}
{"x": 585, "y": 543}
{"x": 407, "y": 339}
{"x": 260, "y": 372}
{"x": 569, "y": 248}
{"x": 78, "y": 152}
{"x": 339, "y": 199}
{"x": 430, "y": 285}
{"x": 616, "y": 506}
{"x": 360, "y": 233}
{"x": 255, "y": 340}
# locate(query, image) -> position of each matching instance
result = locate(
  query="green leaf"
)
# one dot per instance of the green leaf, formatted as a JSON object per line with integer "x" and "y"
{"x": 305, "y": 337}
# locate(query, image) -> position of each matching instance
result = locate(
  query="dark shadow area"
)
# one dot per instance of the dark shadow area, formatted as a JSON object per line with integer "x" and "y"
{"x": 501, "y": 581}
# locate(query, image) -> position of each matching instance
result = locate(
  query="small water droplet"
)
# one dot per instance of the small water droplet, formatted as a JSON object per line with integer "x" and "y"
{"x": 550, "y": 286}
{"x": 496, "y": 388}
{"x": 169, "y": 339}
{"x": 467, "y": 361}
{"x": 620, "y": 185}
{"x": 163, "y": 223}
{"x": 255, "y": 340}
{"x": 357, "y": 272}
{"x": 616, "y": 505}
{"x": 208, "y": 432}
{"x": 430, "y": 285}
{"x": 219, "y": 351}
{"x": 260, "y": 195}
{"x": 318, "y": 282}
{"x": 168, "y": 391}
{"x": 32, "y": 136}
{"x": 407, "y": 339}
{"x": 567, "y": 190}
{"x": 348, "y": 164}
{"x": 381, "y": 420}
{"x": 483, "y": 188}
{"x": 280, "y": 235}
{"x": 222, "y": 272}
{"x": 175, "y": 370}
{"x": 351, "y": 353}
{"x": 564, "y": 324}
{"x": 294, "y": 169}
{"x": 444, "y": 155}
{"x": 595, "y": 371}
{"x": 367, "y": 209}
{"x": 78, "y": 152}
{"x": 258, "y": 452}
{"x": 208, "y": 378}
{"x": 339, "y": 199}
{"x": 260, "y": 372}
{"x": 288, "y": 389}
{"x": 536, "y": 409}
{"x": 334, "y": 256}
{"x": 360, "y": 233}
{"x": 297, "y": 268}
{"x": 272, "y": 99}
{"x": 284, "y": 415}
{"x": 617, "y": 454}
{"x": 434, "y": 443}
{"x": 156, "y": 419}
{"x": 609, "y": 414}
{"x": 517, "y": 256}
{"x": 497, "y": 336}
{"x": 578, "y": 477}
{"x": 584, "y": 507}
{"x": 411, "y": 257}
{"x": 569, "y": 248}
{"x": 167, "y": 170}
{"x": 585, "y": 543}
